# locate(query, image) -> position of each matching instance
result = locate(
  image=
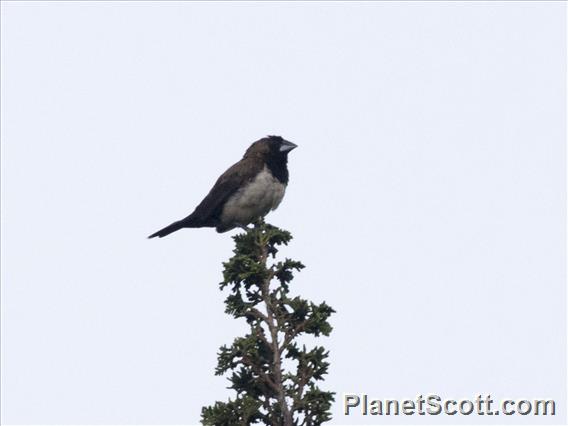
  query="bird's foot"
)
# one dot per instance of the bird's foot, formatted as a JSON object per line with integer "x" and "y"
{"x": 258, "y": 222}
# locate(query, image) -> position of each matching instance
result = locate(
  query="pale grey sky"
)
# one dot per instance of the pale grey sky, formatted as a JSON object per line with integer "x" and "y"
{"x": 427, "y": 198}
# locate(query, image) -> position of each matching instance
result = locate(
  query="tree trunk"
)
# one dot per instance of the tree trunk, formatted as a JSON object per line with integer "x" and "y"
{"x": 277, "y": 360}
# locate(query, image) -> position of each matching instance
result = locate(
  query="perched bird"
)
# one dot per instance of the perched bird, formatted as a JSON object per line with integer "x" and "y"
{"x": 248, "y": 190}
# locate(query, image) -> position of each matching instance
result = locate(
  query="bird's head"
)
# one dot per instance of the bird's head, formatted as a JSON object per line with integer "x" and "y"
{"x": 274, "y": 147}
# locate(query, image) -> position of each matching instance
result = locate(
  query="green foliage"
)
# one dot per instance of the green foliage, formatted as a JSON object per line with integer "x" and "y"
{"x": 259, "y": 293}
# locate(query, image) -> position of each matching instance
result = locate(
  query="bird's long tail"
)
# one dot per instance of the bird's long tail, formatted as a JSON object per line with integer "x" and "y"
{"x": 176, "y": 226}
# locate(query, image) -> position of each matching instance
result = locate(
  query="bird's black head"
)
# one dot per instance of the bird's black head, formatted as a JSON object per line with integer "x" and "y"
{"x": 273, "y": 152}
{"x": 279, "y": 146}
{"x": 271, "y": 147}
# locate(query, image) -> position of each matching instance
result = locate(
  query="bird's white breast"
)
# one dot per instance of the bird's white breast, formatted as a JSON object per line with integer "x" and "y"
{"x": 256, "y": 199}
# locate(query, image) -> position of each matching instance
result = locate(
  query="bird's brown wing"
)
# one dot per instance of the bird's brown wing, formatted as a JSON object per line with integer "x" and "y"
{"x": 235, "y": 177}
{"x": 207, "y": 213}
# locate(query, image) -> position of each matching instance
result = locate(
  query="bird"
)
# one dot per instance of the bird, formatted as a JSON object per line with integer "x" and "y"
{"x": 246, "y": 192}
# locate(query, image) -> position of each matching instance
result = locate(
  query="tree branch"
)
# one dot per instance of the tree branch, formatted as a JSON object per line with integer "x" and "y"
{"x": 261, "y": 374}
{"x": 289, "y": 336}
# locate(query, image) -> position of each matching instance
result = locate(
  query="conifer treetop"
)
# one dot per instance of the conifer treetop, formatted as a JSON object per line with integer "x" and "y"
{"x": 267, "y": 393}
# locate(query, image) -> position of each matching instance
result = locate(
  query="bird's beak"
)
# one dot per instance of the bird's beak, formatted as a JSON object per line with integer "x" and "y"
{"x": 287, "y": 146}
